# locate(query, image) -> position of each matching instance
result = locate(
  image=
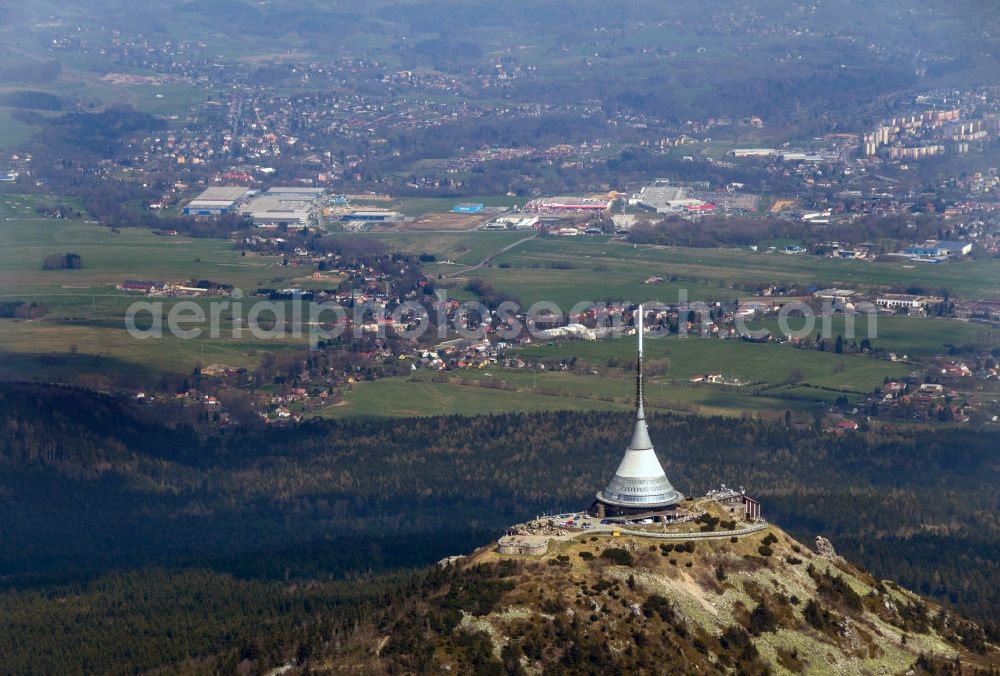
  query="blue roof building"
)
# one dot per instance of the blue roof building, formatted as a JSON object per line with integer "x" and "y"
{"x": 938, "y": 249}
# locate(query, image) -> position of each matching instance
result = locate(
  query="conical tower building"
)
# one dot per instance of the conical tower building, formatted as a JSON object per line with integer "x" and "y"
{"x": 639, "y": 485}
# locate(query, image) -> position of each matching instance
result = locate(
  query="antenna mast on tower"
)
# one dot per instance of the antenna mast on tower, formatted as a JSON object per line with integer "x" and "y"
{"x": 638, "y": 378}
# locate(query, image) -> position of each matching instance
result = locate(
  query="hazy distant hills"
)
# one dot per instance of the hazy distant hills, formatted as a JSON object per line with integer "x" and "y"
{"x": 773, "y": 59}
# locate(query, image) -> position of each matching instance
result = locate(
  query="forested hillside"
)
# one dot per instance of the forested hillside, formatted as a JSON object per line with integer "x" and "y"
{"x": 135, "y": 621}
{"x": 87, "y": 484}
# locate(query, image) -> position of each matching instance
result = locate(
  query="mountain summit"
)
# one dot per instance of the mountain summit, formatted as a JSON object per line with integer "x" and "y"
{"x": 615, "y": 603}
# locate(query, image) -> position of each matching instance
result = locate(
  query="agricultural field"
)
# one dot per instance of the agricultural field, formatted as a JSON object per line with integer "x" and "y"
{"x": 408, "y": 397}
{"x": 13, "y": 133}
{"x": 906, "y": 336}
{"x": 475, "y": 392}
{"x": 570, "y": 270}
{"x": 967, "y": 278}
{"x": 103, "y": 352}
{"x": 566, "y": 288}
{"x": 84, "y": 331}
{"x": 825, "y": 376}
{"x": 108, "y": 256}
{"x": 166, "y": 99}
{"x": 467, "y": 248}
{"x": 444, "y": 221}
{"x": 173, "y": 261}
{"x": 758, "y": 362}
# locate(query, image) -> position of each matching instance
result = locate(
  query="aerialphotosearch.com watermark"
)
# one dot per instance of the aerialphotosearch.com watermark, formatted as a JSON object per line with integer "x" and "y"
{"x": 320, "y": 322}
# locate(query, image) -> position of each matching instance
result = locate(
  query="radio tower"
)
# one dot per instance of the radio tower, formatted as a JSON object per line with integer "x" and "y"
{"x": 639, "y": 485}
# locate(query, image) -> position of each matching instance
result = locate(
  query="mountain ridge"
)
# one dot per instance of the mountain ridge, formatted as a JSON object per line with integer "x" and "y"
{"x": 606, "y": 603}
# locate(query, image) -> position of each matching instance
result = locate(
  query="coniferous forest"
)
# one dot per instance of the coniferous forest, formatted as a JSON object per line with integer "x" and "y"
{"x": 186, "y": 544}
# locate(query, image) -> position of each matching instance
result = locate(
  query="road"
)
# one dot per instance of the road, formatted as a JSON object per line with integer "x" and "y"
{"x": 489, "y": 258}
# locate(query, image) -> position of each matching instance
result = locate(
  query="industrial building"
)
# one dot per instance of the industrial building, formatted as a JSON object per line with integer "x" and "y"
{"x": 513, "y": 223}
{"x": 667, "y": 199}
{"x": 754, "y": 152}
{"x": 662, "y": 198}
{"x": 569, "y": 331}
{"x": 373, "y": 215}
{"x": 800, "y": 156}
{"x": 838, "y": 295}
{"x": 566, "y": 204}
{"x": 938, "y": 249}
{"x": 281, "y": 206}
{"x": 296, "y": 192}
{"x": 215, "y": 201}
{"x": 903, "y": 301}
{"x": 785, "y": 155}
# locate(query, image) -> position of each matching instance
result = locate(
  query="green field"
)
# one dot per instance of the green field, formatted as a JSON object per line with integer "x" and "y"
{"x": 911, "y": 336}
{"x": 64, "y": 350}
{"x": 528, "y": 391}
{"x": 825, "y": 376}
{"x": 620, "y": 263}
{"x": 405, "y": 397}
{"x": 168, "y": 99}
{"x": 84, "y": 331}
{"x": 770, "y": 363}
{"x": 109, "y": 257}
{"x": 468, "y": 248}
{"x": 661, "y": 392}
{"x": 566, "y": 288}
{"x": 12, "y": 132}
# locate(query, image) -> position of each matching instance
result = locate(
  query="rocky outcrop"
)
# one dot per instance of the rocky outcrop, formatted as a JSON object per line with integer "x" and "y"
{"x": 825, "y": 549}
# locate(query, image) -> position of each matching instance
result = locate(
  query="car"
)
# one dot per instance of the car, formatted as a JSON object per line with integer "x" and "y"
{"x": 605, "y": 522}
